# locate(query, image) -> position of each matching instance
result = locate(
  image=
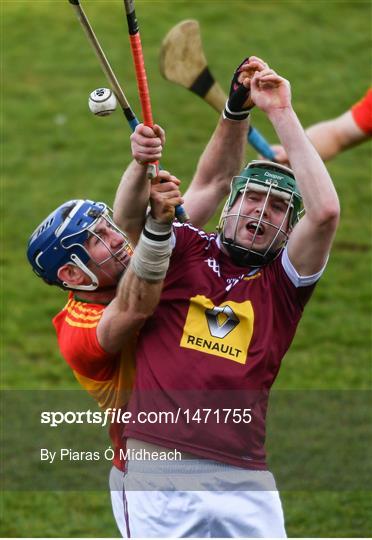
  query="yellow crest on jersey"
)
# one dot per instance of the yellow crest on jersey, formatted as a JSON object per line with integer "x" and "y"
{"x": 224, "y": 330}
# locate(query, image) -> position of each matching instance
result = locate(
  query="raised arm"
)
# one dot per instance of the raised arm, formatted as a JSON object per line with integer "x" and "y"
{"x": 224, "y": 155}
{"x": 311, "y": 239}
{"x": 330, "y": 137}
{"x": 132, "y": 196}
{"x": 139, "y": 289}
{"x": 333, "y": 136}
{"x": 221, "y": 160}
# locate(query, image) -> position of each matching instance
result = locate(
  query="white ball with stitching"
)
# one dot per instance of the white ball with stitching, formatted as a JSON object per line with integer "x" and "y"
{"x": 102, "y": 102}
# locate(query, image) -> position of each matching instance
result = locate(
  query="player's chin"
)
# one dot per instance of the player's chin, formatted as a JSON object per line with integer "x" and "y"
{"x": 263, "y": 246}
{"x": 273, "y": 246}
{"x": 112, "y": 276}
{"x": 118, "y": 274}
{"x": 124, "y": 261}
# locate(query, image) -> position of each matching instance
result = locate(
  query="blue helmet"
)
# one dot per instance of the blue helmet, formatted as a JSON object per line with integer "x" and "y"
{"x": 60, "y": 239}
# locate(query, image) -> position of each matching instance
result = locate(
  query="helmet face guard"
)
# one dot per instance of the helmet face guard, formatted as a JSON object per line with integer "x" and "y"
{"x": 274, "y": 181}
{"x": 61, "y": 239}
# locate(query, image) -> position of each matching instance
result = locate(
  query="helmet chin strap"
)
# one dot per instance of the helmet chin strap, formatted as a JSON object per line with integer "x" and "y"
{"x": 243, "y": 257}
{"x": 92, "y": 286}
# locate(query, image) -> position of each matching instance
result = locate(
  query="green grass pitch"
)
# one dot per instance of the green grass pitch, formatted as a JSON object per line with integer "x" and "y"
{"x": 54, "y": 150}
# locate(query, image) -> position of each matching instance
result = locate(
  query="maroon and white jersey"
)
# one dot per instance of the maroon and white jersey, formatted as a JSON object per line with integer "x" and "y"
{"x": 215, "y": 343}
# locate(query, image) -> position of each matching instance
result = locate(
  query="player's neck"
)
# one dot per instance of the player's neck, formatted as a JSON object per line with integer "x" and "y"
{"x": 96, "y": 297}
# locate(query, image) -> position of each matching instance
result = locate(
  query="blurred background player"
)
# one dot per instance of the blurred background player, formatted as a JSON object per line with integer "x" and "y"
{"x": 338, "y": 134}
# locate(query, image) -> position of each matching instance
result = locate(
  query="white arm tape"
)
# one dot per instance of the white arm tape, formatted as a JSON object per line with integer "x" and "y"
{"x": 151, "y": 257}
{"x": 294, "y": 276}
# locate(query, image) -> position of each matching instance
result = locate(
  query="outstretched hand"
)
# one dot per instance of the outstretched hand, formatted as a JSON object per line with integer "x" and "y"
{"x": 280, "y": 154}
{"x": 165, "y": 196}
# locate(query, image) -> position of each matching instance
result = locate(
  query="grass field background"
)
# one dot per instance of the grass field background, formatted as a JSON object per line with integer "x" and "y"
{"x": 53, "y": 149}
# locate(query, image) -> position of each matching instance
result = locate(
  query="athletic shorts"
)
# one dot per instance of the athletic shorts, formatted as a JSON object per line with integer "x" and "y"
{"x": 200, "y": 498}
{"x": 117, "y": 499}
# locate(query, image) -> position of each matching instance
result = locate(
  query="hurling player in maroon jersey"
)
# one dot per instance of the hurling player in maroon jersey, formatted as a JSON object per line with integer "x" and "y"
{"x": 230, "y": 306}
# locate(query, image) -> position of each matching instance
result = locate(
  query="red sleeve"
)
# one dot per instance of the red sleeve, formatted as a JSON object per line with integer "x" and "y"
{"x": 362, "y": 112}
{"x": 76, "y": 328}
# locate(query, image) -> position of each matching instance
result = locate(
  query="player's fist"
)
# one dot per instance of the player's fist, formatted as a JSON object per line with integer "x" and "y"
{"x": 147, "y": 143}
{"x": 270, "y": 92}
{"x": 239, "y": 102}
{"x": 164, "y": 197}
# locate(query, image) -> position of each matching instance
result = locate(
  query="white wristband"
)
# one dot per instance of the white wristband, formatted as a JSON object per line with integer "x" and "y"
{"x": 151, "y": 257}
{"x": 228, "y": 114}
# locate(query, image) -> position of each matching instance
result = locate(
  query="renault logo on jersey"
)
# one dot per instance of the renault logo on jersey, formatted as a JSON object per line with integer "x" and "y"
{"x": 221, "y": 321}
{"x": 225, "y": 330}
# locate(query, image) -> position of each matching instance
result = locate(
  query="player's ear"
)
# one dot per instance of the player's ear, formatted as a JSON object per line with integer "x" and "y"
{"x": 72, "y": 275}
